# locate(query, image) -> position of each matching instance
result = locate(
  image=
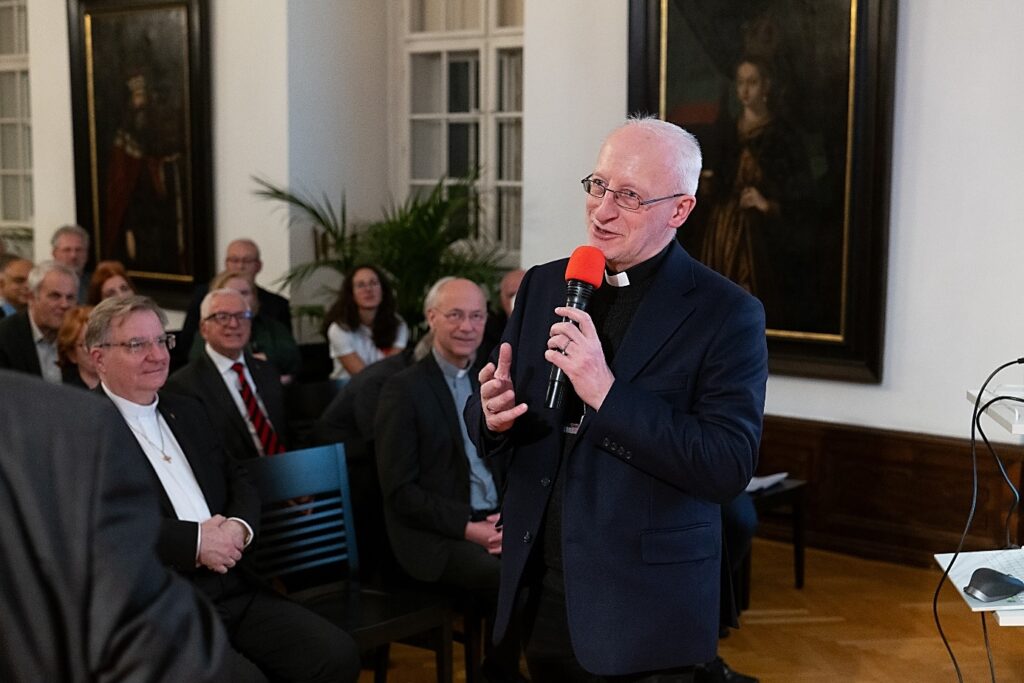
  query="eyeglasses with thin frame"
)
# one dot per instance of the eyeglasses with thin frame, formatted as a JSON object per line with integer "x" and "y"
{"x": 223, "y": 317}
{"x": 138, "y": 347}
{"x": 458, "y": 316}
{"x": 627, "y": 199}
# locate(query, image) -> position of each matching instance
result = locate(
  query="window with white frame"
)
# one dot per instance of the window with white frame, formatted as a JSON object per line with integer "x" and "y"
{"x": 15, "y": 128}
{"x": 462, "y": 89}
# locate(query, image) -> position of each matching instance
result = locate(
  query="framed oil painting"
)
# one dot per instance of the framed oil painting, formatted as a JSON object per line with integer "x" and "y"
{"x": 791, "y": 101}
{"x": 140, "y": 98}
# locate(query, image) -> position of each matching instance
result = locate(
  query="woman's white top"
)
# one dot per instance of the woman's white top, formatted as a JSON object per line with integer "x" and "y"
{"x": 343, "y": 342}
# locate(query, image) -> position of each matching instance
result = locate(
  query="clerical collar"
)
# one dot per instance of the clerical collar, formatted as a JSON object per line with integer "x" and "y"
{"x": 637, "y": 273}
{"x": 450, "y": 370}
{"x": 131, "y": 409}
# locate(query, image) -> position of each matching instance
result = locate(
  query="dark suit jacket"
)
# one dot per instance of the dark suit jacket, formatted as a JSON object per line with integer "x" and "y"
{"x": 271, "y": 305}
{"x": 17, "y": 349}
{"x": 83, "y": 596}
{"x": 201, "y": 380}
{"x": 676, "y": 436}
{"x": 225, "y": 486}
{"x": 424, "y": 473}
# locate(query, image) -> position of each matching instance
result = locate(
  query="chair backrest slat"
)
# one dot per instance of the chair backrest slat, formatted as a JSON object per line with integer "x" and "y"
{"x": 298, "y": 533}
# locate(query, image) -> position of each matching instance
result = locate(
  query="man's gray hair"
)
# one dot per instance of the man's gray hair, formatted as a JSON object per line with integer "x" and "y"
{"x": 686, "y": 162}
{"x": 435, "y": 291}
{"x": 44, "y": 268}
{"x": 70, "y": 229}
{"x": 204, "y": 307}
{"x": 97, "y": 330}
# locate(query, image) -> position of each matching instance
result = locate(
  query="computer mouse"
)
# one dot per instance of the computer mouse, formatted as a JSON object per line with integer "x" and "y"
{"x": 988, "y": 585}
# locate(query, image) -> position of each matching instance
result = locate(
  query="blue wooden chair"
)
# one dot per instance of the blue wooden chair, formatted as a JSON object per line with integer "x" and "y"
{"x": 307, "y": 531}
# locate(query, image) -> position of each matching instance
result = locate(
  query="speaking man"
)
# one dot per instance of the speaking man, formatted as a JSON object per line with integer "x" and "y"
{"x": 611, "y": 515}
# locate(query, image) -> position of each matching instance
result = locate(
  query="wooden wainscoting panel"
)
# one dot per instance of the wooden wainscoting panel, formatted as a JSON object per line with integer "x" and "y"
{"x": 886, "y": 494}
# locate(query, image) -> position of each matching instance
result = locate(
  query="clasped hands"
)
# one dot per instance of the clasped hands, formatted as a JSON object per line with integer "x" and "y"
{"x": 485, "y": 533}
{"x": 575, "y": 348}
{"x": 221, "y": 543}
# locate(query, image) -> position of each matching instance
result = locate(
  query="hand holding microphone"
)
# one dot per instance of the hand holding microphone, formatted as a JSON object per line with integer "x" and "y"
{"x": 574, "y": 349}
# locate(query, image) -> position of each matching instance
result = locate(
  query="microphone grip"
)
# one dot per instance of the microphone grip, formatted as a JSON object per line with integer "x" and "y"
{"x": 556, "y": 388}
{"x": 577, "y": 295}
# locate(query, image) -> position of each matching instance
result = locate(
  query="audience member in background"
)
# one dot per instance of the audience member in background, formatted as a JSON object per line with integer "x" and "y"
{"x": 242, "y": 256}
{"x": 441, "y": 501}
{"x": 499, "y": 316}
{"x": 210, "y": 509}
{"x": 28, "y": 340}
{"x": 13, "y": 284}
{"x": 75, "y": 361}
{"x": 83, "y": 596}
{"x": 109, "y": 279}
{"x": 269, "y": 340}
{"x": 241, "y": 393}
{"x": 362, "y": 326}
{"x": 71, "y": 247}
{"x": 349, "y": 420}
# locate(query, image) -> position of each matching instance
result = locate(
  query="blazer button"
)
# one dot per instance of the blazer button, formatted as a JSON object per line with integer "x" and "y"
{"x": 621, "y": 451}
{"x": 629, "y": 455}
{"x": 545, "y": 482}
{"x": 605, "y": 443}
{"x": 527, "y": 537}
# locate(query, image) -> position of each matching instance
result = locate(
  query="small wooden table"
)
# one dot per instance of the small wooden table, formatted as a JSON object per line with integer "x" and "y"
{"x": 787, "y": 493}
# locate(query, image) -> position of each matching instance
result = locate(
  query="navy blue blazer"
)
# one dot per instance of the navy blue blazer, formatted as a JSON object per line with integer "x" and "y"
{"x": 677, "y": 435}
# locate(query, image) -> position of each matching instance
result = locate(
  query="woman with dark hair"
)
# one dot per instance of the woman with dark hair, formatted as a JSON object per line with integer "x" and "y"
{"x": 75, "y": 363}
{"x": 108, "y": 280}
{"x": 757, "y": 233}
{"x": 362, "y": 326}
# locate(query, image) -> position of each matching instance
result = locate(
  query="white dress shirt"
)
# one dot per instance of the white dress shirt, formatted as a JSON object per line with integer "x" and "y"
{"x": 47, "y": 352}
{"x": 230, "y": 377}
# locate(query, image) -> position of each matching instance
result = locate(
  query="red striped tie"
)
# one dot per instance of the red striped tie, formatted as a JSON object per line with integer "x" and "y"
{"x": 264, "y": 430}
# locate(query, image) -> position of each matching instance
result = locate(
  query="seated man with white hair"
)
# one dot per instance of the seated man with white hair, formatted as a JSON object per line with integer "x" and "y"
{"x": 28, "y": 340}
{"x": 210, "y": 510}
{"x": 241, "y": 394}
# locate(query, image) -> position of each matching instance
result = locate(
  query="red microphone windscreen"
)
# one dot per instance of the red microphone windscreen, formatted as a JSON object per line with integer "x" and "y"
{"x": 586, "y": 265}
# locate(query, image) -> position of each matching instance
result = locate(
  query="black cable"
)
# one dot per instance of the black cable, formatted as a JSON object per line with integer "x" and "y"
{"x": 970, "y": 515}
{"x": 1002, "y": 468}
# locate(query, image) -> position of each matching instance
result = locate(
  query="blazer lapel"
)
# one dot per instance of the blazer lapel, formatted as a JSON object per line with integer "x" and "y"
{"x": 667, "y": 305}
{"x": 435, "y": 379}
{"x": 214, "y": 386}
{"x": 185, "y": 442}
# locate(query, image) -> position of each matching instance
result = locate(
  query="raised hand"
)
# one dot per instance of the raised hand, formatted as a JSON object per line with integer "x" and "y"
{"x": 497, "y": 396}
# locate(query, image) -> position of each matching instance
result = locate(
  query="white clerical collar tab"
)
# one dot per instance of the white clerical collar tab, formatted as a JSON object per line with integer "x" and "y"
{"x": 617, "y": 279}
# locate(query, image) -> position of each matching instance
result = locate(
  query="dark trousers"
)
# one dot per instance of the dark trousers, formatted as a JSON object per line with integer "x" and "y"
{"x": 549, "y": 652}
{"x": 279, "y": 640}
{"x": 471, "y": 568}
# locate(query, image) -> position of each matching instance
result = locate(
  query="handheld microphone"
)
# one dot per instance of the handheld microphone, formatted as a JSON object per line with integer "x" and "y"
{"x": 583, "y": 275}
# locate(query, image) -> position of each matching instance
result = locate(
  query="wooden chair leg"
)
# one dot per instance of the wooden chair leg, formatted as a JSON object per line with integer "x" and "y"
{"x": 381, "y": 656}
{"x": 473, "y": 645}
{"x": 443, "y": 653}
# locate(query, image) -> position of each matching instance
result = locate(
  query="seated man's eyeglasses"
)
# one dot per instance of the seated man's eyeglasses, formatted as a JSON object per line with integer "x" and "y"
{"x": 458, "y": 316}
{"x": 627, "y": 199}
{"x": 223, "y": 317}
{"x": 141, "y": 346}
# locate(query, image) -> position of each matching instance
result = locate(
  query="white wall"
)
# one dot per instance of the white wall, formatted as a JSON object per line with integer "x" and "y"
{"x": 337, "y": 71}
{"x": 297, "y": 95}
{"x": 53, "y": 163}
{"x": 250, "y": 112}
{"x": 958, "y": 164}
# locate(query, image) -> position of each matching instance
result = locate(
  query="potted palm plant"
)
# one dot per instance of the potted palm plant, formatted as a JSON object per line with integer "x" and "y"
{"x": 416, "y": 242}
